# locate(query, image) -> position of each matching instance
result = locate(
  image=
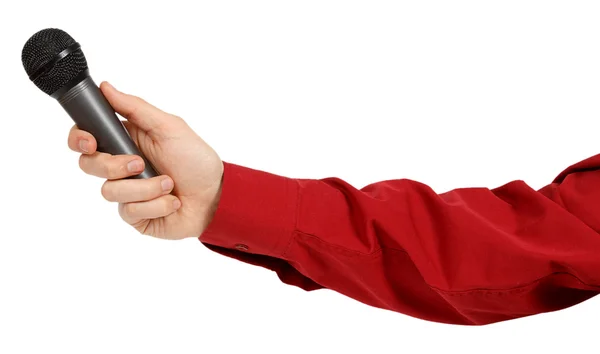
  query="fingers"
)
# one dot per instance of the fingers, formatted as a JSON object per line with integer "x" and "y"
{"x": 139, "y": 112}
{"x": 160, "y": 207}
{"x": 137, "y": 190}
{"x": 111, "y": 166}
{"x": 81, "y": 141}
{"x": 100, "y": 164}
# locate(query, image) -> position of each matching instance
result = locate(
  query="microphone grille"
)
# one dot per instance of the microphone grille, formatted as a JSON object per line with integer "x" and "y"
{"x": 42, "y": 48}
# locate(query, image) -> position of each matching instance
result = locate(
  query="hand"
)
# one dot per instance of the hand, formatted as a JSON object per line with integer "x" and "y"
{"x": 179, "y": 203}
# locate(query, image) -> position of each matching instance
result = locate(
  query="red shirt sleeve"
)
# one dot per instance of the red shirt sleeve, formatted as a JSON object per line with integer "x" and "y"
{"x": 469, "y": 256}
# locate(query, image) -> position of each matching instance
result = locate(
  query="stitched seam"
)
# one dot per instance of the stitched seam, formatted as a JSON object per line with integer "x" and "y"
{"x": 504, "y": 291}
{"x": 342, "y": 248}
{"x": 296, "y": 214}
{"x": 497, "y": 291}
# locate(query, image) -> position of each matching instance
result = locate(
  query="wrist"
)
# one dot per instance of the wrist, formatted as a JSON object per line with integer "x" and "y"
{"x": 255, "y": 212}
{"x": 213, "y": 202}
{"x": 214, "y": 205}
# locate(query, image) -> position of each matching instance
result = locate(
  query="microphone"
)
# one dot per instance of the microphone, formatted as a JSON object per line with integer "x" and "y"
{"x": 54, "y": 62}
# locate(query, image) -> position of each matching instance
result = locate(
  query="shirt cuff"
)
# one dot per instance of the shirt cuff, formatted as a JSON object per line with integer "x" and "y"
{"x": 256, "y": 212}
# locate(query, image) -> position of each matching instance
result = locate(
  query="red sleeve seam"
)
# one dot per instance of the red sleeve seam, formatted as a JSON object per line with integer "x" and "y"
{"x": 483, "y": 291}
{"x": 294, "y": 230}
{"x": 510, "y": 291}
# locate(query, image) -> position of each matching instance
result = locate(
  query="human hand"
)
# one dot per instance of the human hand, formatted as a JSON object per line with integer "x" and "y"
{"x": 178, "y": 203}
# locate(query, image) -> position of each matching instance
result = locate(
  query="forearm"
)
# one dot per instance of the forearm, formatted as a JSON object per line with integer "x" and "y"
{"x": 468, "y": 256}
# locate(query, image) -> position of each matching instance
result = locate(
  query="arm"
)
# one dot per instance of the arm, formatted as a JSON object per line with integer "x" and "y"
{"x": 470, "y": 256}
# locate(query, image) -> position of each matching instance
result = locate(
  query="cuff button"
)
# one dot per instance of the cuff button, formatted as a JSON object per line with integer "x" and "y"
{"x": 241, "y": 247}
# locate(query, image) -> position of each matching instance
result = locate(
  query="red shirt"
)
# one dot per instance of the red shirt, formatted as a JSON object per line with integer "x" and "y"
{"x": 469, "y": 256}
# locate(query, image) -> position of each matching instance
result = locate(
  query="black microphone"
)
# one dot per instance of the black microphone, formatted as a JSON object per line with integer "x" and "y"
{"x": 56, "y": 65}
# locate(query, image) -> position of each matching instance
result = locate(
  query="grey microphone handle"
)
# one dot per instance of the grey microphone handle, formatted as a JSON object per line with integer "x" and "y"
{"x": 90, "y": 110}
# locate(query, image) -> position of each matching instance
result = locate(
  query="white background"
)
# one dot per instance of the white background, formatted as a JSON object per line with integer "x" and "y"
{"x": 449, "y": 93}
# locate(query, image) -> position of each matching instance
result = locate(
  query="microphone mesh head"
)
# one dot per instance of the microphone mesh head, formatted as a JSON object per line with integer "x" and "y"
{"x": 43, "y": 47}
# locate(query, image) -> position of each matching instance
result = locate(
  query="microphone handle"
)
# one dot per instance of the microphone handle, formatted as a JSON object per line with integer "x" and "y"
{"x": 90, "y": 110}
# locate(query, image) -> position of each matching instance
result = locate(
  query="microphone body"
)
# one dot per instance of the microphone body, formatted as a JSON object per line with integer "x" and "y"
{"x": 54, "y": 62}
{"x": 86, "y": 105}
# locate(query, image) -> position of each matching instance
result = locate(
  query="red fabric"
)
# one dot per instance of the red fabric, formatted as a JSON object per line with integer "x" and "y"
{"x": 469, "y": 256}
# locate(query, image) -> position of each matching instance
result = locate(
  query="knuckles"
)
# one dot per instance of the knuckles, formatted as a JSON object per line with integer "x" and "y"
{"x": 102, "y": 167}
{"x": 83, "y": 163}
{"x": 112, "y": 169}
{"x": 139, "y": 190}
{"x": 167, "y": 206}
{"x": 107, "y": 192}
{"x": 130, "y": 209}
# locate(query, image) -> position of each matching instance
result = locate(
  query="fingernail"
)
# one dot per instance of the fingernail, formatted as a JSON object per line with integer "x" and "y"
{"x": 134, "y": 166}
{"x": 166, "y": 184}
{"x": 111, "y": 86}
{"x": 83, "y": 145}
{"x": 176, "y": 204}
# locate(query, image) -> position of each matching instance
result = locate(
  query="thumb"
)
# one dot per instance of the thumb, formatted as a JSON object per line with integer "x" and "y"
{"x": 139, "y": 112}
